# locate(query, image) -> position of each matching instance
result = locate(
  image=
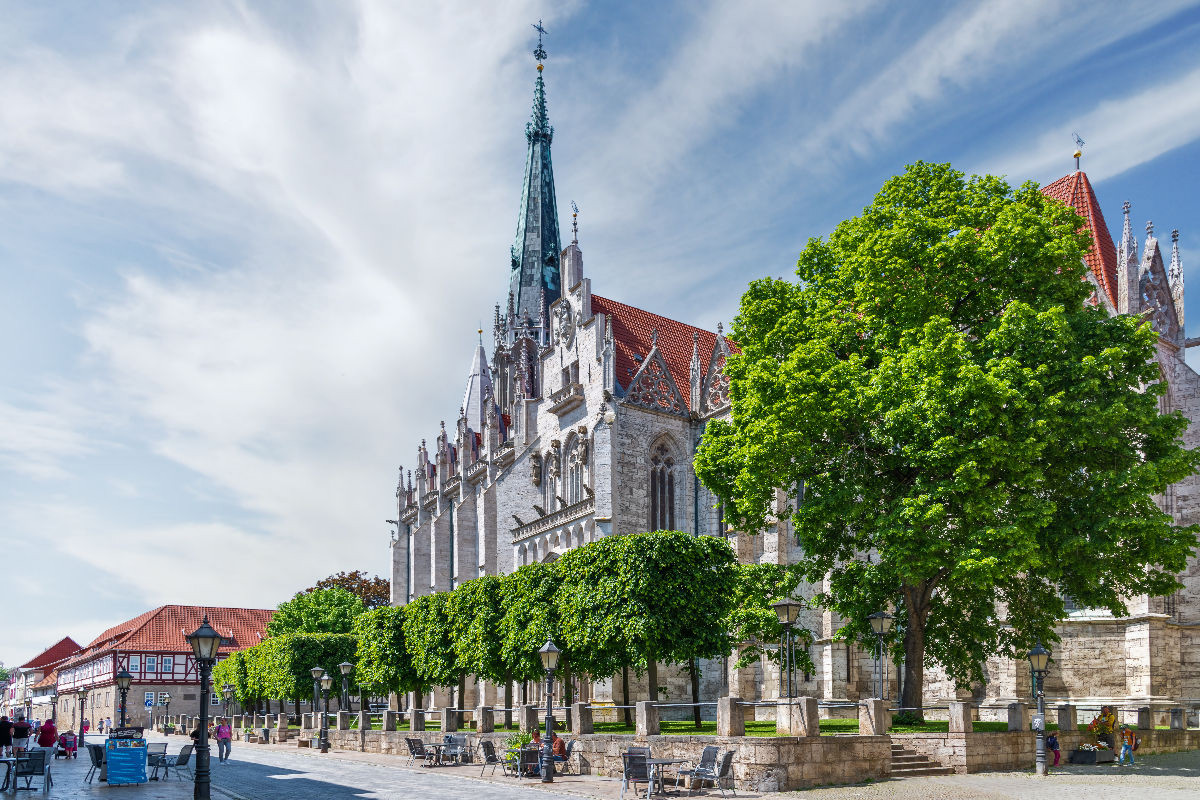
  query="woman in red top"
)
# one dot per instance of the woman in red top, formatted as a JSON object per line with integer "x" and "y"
{"x": 47, "y": 734}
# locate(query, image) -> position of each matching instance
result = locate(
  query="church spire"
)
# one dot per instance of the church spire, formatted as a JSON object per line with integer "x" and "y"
{"x": 536, "y": 251}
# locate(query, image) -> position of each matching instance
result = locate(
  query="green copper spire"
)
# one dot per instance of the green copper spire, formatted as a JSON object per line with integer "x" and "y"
{"x": 535, "y": 252}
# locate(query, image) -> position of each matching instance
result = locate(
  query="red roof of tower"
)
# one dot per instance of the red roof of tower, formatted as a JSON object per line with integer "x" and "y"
{"x": 63, "y": 648}
{"x": 1076, "y": 191}
{"x": 633, "y": 330}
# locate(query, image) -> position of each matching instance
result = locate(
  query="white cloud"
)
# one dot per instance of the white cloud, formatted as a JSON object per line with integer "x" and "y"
{"x": 36, "y": 441}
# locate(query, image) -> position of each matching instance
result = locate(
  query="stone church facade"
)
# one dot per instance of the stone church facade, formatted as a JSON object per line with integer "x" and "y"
{"x": 584, "y": 421}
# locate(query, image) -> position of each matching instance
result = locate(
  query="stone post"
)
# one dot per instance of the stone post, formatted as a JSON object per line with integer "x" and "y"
{"x": 343, "y": 720}
{"x": 1016, "y": 717}
{"x": 873, "y": 717}
{"x": 418, "y": 719}
{"x": 485, "y": 719}
{"x": 1178, "y": 719}
{"x": 237, "y": 721}
{"x": 391, "y": 720}
{"x": 1144, "y": 720}
{"x": 583, "y": 719}
{"x": 1067, "y": 718}
{"x": 283, "y": 722}
{"x": 364, "y": 721}
{"x": 810, "y": 719}
{"x": 528, "y": 718}
{"x": 449, "y": 720}
{"x": 731, "y": 721}
{"x": 647, "y": 719}
{"x": 961, "y": 716}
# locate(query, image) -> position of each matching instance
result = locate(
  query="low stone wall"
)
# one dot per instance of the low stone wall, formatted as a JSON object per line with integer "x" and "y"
{"x": 1017, "y": 750}
{"x": 770, "y": 764}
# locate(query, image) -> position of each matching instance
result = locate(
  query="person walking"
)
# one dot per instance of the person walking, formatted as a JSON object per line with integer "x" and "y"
{"x": 1127, "y": 741}
{"x": 224, "y": 740}
{"x": 20, "y": 735}
{"x": 47, "y": 737}
{"x": 6, "y": 729}
{"x": 1052, "y": 746}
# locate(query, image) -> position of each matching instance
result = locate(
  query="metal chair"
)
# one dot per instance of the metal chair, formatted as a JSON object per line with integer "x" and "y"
{"x": 565, "y": 765}
{"x": 31, "y": 765}
{"x": 490, "y": 759}
{"x": 96, "y": 754}
{"x": 182, "y": 762}
{"x": 705, "y": 770}
{"x": 530, "y": 762}
{"x": 725, "y": 772}
{"x": 417, "y": 752}
{"x": 634, "y": 770}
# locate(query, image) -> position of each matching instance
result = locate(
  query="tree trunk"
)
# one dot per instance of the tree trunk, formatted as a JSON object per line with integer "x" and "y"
{"x": 914, "y": 652}
{"x": 625, "y": 696}
{"x": 652, "y": 679}
{"x": 508, "y": 698}
{"x": 694, "y": 668}
{"x": 297, "y": 707}
{"x": 566, "y": 698}
{"x": 418, "y": 699}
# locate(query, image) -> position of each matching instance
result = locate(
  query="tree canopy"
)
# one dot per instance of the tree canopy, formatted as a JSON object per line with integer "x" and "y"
{"x": 384, "y": 664}
{"x": 972, "y": 438}
{"x": 374, "y": 591}
{"x": 319, "y": 611}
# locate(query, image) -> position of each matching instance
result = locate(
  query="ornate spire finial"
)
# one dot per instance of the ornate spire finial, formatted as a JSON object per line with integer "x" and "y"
{"x": 1150, "y": 228}
{"x": 574, "y": 223}
{"x": 540, "y": 52}
{"x": 1176, "y": 273}
{"x": 653, "y": 338}
{"x": 1125, "y": 207}
{"x": 1078, "y": 149}
{"x": 720, "y": 329}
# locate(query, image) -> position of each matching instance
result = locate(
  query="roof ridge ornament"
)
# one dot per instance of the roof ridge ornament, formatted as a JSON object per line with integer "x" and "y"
{"x": 540, "y": 52}
{"x": 574, "y": 224}
{"x": 1079, "y": 143}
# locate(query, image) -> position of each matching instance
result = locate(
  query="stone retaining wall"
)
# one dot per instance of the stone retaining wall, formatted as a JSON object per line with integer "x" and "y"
{"x": 769, "y": 764}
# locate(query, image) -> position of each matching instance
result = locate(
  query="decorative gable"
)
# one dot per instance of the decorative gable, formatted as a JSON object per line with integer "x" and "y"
{"x": 1154, "y": 289}
{"x": 714, "y": 392}
{"x": 654, "y": 388}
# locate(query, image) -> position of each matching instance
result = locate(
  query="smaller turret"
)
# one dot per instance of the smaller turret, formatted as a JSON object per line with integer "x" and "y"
{"x": 1128, "y": 269}
{"x": 1176, "y": 276}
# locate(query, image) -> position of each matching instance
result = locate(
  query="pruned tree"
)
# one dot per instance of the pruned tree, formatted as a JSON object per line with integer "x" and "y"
{"x": 317, "y": 611}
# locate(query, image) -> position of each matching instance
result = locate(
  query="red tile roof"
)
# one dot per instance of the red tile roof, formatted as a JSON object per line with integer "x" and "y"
{"x": 1076, "y": 191}
{"x": 63, "y": 648}
{"x": 164, "y": 629}
{"x": 632, "y": 332}
{"x": 50, "y": 679}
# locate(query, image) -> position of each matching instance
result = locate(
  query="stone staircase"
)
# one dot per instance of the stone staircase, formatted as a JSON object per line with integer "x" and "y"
{"x": 909, "y": 763}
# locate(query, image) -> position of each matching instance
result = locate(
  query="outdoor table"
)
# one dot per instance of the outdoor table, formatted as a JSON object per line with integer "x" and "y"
{"x": 656, "y": 768}
{"x": 436, "y": 748}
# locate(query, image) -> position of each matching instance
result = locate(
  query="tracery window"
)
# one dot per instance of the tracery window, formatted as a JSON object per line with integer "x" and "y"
{"x": 662, "y": 489}
{"x": 574, "y": 487}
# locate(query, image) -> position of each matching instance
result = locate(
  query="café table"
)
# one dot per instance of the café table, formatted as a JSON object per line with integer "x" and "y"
{"x": 656, "y": 772}
{"x": 10, "y": 765}
{"x": 436, "y": 748}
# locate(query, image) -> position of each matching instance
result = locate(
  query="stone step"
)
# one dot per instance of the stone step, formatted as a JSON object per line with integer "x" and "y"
{"x": 911, "y": 759}
{"x": 913, "y": 772}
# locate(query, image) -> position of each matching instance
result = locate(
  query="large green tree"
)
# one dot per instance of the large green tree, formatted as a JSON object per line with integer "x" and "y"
{"x": 317, "y": 611}
{"x": 374, "y": 591}
{"x": 972, "y": 438}
{"x": 428, "y": 640}
{"x": 282, "y": 665}
{"x": 384, "y": 664}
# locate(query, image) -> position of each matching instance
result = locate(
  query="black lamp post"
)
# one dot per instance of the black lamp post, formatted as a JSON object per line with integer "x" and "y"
{"x": 82, "y": 710}
{"x": 1039, "y": 661}
{"x": 227, "y": 690}
{"x": 326, "y": 685}
{"x": 549, "y": 655}
{"x": 54, "y": 708}
{"x": 346, "y": 667}
{"x": 124, "y": 679}
{"x": 205, "y": 642}
{"x": 317, "y": 672}
{"x": 881, "y": 624}
{"x": 787, "y": 610}
{"x": 166, "y": 701}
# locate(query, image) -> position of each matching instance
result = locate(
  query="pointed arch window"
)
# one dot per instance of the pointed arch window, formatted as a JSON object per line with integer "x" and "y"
{"x": 574, "y": 487}
{"x": 662, "y": 489}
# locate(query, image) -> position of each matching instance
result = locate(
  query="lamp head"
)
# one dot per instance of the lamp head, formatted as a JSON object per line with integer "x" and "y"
{"x": 346, "y": 667}
{"x": 326, "y": 681}
{"x": 124, "y": 679}
{"x": 550, "y": 654}
{"x": 205, "y": 641}
{"x": 787, "y": 610}
{"x": 317, "y": 672}
{"x": 881, "y": 622}
{"x": 1039, "y": 658}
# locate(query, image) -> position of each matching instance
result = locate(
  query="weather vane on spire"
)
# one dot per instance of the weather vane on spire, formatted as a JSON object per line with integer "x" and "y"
{"x": 1078, "y": 149}
{"x": 574, "y": 222}
{"x": 540, "y": 52}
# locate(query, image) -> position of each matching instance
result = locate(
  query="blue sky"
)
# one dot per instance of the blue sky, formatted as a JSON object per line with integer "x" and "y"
{"x": 244, "y": 247}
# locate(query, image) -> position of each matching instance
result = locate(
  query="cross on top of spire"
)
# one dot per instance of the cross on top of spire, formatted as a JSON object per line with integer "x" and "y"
{"x": 540, "y": 52}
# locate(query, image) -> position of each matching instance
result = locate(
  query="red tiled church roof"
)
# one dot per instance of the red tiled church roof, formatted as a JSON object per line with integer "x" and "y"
{"x": 633, "y": 330}
{"x": 164, "y": 629}
{"x": 63, "y": 648}
{"x": 1076, "y": 191}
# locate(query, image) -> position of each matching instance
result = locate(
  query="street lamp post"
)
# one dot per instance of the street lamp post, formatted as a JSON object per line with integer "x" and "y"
{"x": 227, "y": 690}
{"x": 124, "y": 679}
{"x": 326, "y": 685}
{"x": 166, "y": 701}
{"x": 549, "y": 655}
{"x": 346, "y": 667}
{"x": 316, "y": 673}
{"x": 54, "y": 708}
{"x": 82, "y": 711}
{"x": 787, "y": 610}
{"x": 1039, "y": 660}
{"x": 881, "y": 624}
{"x": 205, "y": 642}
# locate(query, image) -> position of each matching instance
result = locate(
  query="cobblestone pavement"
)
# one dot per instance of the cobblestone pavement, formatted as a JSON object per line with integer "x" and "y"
{"x": 277, "y": 772}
